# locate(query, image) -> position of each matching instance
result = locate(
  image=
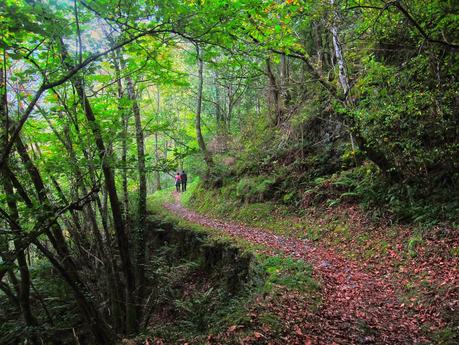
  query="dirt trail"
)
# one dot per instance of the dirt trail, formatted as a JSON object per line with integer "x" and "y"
{"x": 357, "y": 308}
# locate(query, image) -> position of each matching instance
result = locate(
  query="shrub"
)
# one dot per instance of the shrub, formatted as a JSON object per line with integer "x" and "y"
{"x": 254, "y": 189}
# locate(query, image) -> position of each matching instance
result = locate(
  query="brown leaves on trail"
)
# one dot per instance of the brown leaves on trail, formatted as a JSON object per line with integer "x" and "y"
{"x": 361, "y": 301}
{"x": 232, "y": 328}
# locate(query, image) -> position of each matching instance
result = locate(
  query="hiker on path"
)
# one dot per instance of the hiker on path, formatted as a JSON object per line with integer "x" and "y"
{"x": 177, "y": 182}
{"x": 184, "y": 178}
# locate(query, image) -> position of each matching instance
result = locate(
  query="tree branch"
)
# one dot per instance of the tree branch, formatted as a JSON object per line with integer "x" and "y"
{"x": 46, "y": 86}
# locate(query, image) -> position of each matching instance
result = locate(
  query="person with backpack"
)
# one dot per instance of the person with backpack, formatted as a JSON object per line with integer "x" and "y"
{"x": 183, "y": 178}
{"x": 177, "y": 182}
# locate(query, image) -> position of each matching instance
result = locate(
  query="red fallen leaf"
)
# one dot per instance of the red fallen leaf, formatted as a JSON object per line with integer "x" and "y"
{"x": 307, "y": 342}
{"x": 232, "y": 328}
{"x": 258, "y": 335}
{"x": 298, "y": 330}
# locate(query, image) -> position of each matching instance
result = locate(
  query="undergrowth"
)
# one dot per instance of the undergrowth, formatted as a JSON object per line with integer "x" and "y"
{"x": 405, "y": 201}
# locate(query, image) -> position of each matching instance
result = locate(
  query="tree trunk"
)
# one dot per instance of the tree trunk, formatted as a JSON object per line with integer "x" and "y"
{"x": 121, "y": 236}
{"x": 284, "y": 80}
{"x": 373, "y": 154}
{"x": 157, "y": 173}
{"x": 342, "y": 71}
{"x": 117, "y": 58}
{"x": 274, "y": 93}
{"x": 24, "y": 285}
{"x": 113, "y": 281}
{"x": 102, "y": 334}
{"x": 142, "y": 196}
{"x": 68, "y": 269}
{"x": 218, "y": 106}
{"x": 200, "y": 138}
{"x": 117, "y": 215}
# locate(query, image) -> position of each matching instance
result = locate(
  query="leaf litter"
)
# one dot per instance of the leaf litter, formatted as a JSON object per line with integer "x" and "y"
{"x": 360, "y": 300}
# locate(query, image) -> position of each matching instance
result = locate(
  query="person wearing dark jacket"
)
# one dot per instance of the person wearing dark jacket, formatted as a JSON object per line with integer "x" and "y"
{"x": 183, "y": 179}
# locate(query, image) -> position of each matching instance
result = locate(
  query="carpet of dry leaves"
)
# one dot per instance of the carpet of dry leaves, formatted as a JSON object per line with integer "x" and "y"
{"x": 365, "y": 301}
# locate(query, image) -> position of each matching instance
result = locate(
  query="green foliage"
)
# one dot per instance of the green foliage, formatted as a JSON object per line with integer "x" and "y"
{"x": 446, "y": 336}
{"x": 193, "y": 295}
{"x": 61, "y": 309}
{"x": 196, "y": 311}
{"x": 413, "y": 242}
{"x": 406, "y": 201}
{"x": 253, "y": 189}
{"x": 289, "y": 272}
{"x": 284, "y": 134}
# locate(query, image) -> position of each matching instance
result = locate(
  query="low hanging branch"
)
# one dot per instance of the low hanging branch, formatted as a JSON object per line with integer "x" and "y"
{"x": 404, "y": 11}
{"x": 418, "y": 27}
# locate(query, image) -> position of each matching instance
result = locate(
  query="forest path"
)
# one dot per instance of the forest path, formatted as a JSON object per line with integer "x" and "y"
{"x": 357, "y": 307}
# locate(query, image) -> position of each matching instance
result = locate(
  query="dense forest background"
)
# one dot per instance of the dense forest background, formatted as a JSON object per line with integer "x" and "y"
{"x": 305, "y": 104}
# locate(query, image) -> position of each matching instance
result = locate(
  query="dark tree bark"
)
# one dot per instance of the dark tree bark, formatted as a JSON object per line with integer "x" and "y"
{"x": 113, "y": 284}
{"x": 274, "y": 93}
{"x": 200, "y": 138}
{"x": 124, "y": 137}
{"x": 101, "y": 332}
{"x": 110, "y": 186}
{"x": 121, "y": 236}
{"x": 24, "y": 284}
{"x": 142, "y": 196}
{"x": 158, "y": 110}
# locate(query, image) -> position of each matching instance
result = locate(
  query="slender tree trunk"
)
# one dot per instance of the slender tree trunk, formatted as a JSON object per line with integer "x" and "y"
{"x": 74, "y": 227}
{"x": 284, "y": 80}
{"x": 102, "y": 334}
{"x": 274, "y": 93}
{"x": 68, "y": 270}
{"x": 229, "y": 113}
{"x": 218, "y": 106}
{"x": 121, "y": 236}
{"x": 342, "y": 70}
{"x": 200, "y": 138}
{"x": 24, "y": 285}
{"x": 110, "y": 186}
{"x": 142, "y": 196}
{"x": 158, "y": 110}
{"x": 373, "y": 154}
{"x": 117, "y": 59}
{"x": 10, "y": 294}
{"x": 113, "y": 281}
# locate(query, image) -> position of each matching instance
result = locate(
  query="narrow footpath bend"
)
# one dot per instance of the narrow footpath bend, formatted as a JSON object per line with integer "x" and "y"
{"x": 352, "y": 299}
